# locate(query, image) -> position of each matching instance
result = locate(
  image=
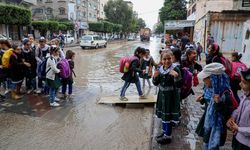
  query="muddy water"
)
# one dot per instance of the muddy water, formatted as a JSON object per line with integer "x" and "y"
{"x": 83, "y": 124}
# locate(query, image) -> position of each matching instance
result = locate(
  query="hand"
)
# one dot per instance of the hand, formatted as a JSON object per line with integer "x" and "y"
{"x": 27, "y": 64}
{"x": 217, "y": 98}
{"x": 173, "y": 73}
{"x": 230, "y": 122}
{"x": 1, "y": 67}
{"x": 234, "y": 128}
{"x": 143, "y": 71}
{"x": 157, "y": 73}
{"x": 199, "y": 98}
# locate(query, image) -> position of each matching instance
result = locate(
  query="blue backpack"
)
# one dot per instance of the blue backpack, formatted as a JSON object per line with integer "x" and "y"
{"x": 41, "y": 71}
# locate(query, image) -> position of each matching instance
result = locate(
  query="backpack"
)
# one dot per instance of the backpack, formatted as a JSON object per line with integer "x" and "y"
{"x": 187, "y": 79}
{"x": 226, "y": 63}
{"x": 237, "y": 67}
{"x": 6, "y": 58}
{"x": 64, "y": 67}
{"x": 125, "y": 63}
{"x": 41, "y": 69}
{"x": 234, "y": 102}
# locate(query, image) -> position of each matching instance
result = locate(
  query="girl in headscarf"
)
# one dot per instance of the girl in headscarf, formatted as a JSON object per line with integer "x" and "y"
{"x": 219, "y": 108}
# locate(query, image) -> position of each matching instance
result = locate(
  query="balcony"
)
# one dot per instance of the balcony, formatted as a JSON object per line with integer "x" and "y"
{"x": 48, "y": 1}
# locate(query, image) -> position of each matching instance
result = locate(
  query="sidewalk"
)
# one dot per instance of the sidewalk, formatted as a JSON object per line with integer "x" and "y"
{"x": 184, "y": 136}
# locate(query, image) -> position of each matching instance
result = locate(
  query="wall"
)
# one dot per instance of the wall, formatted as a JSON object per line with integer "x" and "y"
{"x": 246, "y": 44}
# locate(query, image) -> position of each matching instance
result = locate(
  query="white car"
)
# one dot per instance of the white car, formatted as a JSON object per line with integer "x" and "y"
{"x": 94, "y": 41}
{"x": 69, "y": 39}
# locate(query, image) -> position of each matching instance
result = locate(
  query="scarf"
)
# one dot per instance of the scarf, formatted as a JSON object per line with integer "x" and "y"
{"x": 164, "y": 72}
{"x": 213, "y": 126}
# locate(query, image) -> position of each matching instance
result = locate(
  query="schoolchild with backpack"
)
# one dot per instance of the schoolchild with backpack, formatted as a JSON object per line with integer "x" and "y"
{"x": 130, "y": 76}
{"x": 191, "y": 66}
{"x": 52, "y": 75}
{"x": 168, "y": 79}
{"x": 42, "y": 52}
{"x": 239, "y": 123}
{"x": 147, "y": 63}
{"x": 67, "y": 76}
{"x": 16, "y": 66}
{"x": 220, "y": 106}
{"x": 235, "y": 78}
{"x": 29, "y": 72}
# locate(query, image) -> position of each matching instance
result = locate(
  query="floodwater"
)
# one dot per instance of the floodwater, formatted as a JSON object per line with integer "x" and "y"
{"x": 82, "y": 123}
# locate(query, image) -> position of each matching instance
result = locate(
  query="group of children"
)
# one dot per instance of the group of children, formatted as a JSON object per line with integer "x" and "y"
{"x": 223, "y": 107}
{"x": 37, "y": 65}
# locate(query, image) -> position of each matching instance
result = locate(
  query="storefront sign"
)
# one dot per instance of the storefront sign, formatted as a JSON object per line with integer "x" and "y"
{"x": 245, "y": 3}
{"x": 178, "y": 24}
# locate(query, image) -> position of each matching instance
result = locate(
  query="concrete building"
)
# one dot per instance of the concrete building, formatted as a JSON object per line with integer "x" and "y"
{"x": 223, "y": 19}
{"x": 101, "y": 14}
{"x": 23, "y": 2}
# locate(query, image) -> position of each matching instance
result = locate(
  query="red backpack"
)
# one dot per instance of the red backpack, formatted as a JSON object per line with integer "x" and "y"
{"x": 234, "y": 102}
{"x": 125, "y": 63}
{"x": 237, "y": 67}
{"x": 226, "y": 63}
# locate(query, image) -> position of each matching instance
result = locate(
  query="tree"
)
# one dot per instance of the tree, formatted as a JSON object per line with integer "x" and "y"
{"x": 159, "y": 28}
{"x": 118, "y": 12}
{"x": 141, "y": 23}
{"x": 173, "y": 10}
{"x": 41, "y": 26}
{"x": 14, "y": 15}
{"x": 96, "y": 26}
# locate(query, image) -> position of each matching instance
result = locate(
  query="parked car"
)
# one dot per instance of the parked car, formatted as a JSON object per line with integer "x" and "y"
{"x": 69, "y": 39}
{"x": 131, "y": 38}
{"x": 3, "y": 37}
{"x": 93, "y": 41}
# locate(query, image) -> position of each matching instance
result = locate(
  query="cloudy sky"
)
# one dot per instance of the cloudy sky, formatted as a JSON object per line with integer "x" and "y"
{"x": 148, "y": 10}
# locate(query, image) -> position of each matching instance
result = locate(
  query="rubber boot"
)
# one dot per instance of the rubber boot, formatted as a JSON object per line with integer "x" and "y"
{"x": 15, "y": 96}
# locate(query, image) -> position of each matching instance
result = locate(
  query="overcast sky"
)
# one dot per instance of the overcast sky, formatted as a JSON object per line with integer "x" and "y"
{"x": 148, "y": 10}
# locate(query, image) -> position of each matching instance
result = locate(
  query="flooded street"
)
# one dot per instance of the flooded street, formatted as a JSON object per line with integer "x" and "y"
{"x": 83, "y": 124}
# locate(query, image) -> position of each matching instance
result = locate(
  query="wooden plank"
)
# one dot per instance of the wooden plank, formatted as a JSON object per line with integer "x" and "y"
{"x": 131, "y": 100}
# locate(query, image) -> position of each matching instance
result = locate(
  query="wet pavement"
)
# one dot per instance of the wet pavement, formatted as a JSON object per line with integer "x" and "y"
{"x": 81, "y": 123}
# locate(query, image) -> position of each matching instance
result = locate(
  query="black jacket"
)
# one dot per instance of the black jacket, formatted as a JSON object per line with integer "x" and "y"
{"x": 29, "y": 57}
{"x": 131, "y": 76}
{"x": 16, "y": 67}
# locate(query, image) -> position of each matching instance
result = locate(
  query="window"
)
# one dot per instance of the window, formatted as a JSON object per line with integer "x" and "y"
{"x": 247, "y": 34}
{"x": 39, "y": 1}
{"x": 90, "y": 15}
{"x": 49, "y": 10}
{"x": 48, "y": 1}
{"x": 194, "y": 8}
{"x": 62, "y": 11}
{"x": 84, "y": 14}
{"x": 38, "y": 10}
{"x": 95, "y": 16}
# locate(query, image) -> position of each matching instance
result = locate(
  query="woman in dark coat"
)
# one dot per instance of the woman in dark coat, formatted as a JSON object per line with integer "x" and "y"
{"x": 131, "y": 76}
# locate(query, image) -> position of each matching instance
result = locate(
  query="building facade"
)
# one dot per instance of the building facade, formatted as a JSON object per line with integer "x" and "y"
{"x": 101, "y": 14}
{"x": 223, "y": 19}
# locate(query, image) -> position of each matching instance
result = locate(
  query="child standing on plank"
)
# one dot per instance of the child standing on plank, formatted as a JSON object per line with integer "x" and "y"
{"x": 167, "y": 78}
{"x": 147, "y": 64}
{"x": 131, "y": 76}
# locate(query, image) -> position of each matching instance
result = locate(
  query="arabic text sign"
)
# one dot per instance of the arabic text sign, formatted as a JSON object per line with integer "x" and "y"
{"x": 178, "y": 24}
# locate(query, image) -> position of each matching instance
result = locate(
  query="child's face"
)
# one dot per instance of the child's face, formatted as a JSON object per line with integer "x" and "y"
{"x": 141, "y": 55}
{"x": 207, "y": 82}
{"x": 166, "y": 60}
{"x": 31, "y": 39}
{"x": 18, "y": 50}
{"x": 147, "y": 54}
{"x": 233, "y": 58}
{"x": 192, "y": 56}
{"x": 244, "y": 85}
{"x": 73, "y": 57}
{"x": 173, "y": 59}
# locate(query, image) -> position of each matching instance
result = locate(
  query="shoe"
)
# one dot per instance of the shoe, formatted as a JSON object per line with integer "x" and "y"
{"x": 6, "y": 91}
{"x": 123, "y": 98}
{"x": 29, "y": 91}
{"x": 38, "y": 91}
{"x": 55, "y": 104}
{"x": 142, "y": 96}
{"x": 159, "y": 136}
{"x": 164, "y": 140}
{"x": 15, "y": 96}
{"x": 57, "y": 99}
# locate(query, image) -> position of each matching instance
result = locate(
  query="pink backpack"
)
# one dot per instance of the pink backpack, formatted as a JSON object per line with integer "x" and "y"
{"x": 64, "y": 67}
{"x": 125, "y": 63}
{"x": 187, "y": 83}
{"x": 237, "y": 67}
{"x": 226, "y": 63}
